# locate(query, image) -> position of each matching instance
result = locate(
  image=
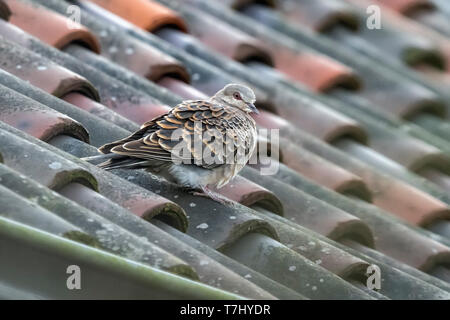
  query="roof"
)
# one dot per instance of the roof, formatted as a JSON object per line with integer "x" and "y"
{"x": 363, "y": 175}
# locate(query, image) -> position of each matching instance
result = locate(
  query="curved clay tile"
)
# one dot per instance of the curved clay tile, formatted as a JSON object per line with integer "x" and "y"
{"x": 142, "y": 206}
{"x": 102, "y": 231}
{"x": 36, "y": 119}
{"x": 404, "y": 99}
{"x": 312, "y": 247}
{"x": 58, "y": 171}
{"x": 441, "y": 54}
{"x": 410, "y": 152}
{"x": 20, "y": 209}
{"x": 250, "y": 194}
{"x": 4, "y": 11}
{"x": 44, "y": 124}
{"x": 387, "y": 192}
{"x": 181, "y": 88}
{"x": 322, "y": 171}
{"x": 99, "y": 110}
{"x": 211, "y": 222}
{"x": 139, "y": 57}
{"x": 317, "y": 72}
{"x": 129, "y": 102}
{"x": 100, "y": 130}
{"x": 319, "y": 15}
{"x": 312, "y": 213}
{"x": 312, "y": 117}
{"x": 309, "y": 164}
{"x": 54, "y": 172}
{"x": 50, "y": 27}
{"x": 145, "y": 14}
{"x": 40, "y": 71}
{"x": 407, "y": 7}
{"x": 223, "y": 38}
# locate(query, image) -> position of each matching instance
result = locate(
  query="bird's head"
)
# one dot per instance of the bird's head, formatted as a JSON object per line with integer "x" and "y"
{"x": 238, "y": 96}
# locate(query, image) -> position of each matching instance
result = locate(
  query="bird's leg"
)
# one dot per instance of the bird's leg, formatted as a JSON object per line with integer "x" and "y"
{"x": 212, "y": 195}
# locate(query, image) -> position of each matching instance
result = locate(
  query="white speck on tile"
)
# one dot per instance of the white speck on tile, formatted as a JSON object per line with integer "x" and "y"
{"x": 55, "y": 165}
{"x": 103, "y": 33}
{"x": 320, "y": 280}
{"x": 192, "y": 204}
{"x": 19, "y": 66}
{"x": 248, "y": 276}
{"x": 129, "y": 51}
{"x": 112, "y": 49}
{"x": 90, "y": 220}
{"x": 176, "y": 196}
{"x": 311, "y": 243}
{"x": 42, "y": 68}
{"x": 195, "y": 77}
{"x": 318, "y": 261}
{"x": 113, "y": 98}
{"x": 202, "y": 226}
{"x": 314, "y": 288}
{"x": 292, "y": 268}
{"x": 232, "y": 217}
{"x": 204, "y": 263}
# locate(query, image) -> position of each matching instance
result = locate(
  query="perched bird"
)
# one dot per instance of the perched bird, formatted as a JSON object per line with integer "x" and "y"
{"x": 197, "y": 144}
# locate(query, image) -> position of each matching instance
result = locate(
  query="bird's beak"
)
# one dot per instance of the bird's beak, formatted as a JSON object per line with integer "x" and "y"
{"x": 252, "y": 107}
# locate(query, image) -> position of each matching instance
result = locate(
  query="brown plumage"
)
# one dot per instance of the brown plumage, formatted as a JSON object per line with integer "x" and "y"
{"x": 196, "y": 144}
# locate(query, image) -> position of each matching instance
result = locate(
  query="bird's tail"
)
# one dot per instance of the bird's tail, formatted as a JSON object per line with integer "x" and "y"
{"x": 111, "y": 161}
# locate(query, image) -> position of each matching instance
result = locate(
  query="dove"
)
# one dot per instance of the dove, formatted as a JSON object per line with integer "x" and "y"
{"x": 198, "y": 144}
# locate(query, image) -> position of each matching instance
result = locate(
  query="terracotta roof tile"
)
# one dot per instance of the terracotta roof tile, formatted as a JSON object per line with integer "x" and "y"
{"x": 59, "y": 31}
{"x": 313, "y": 213}
{"x": 407, "y": 6}
{"x": 250, "y": 194}
{"x": 36, "y": 119}
{"x": 42, "y": 72}
{"x": 148, "y": 15}
{"x": 318, "y": 15}
{"x": 233, "y": 43}
{"x": 100, "y": 130}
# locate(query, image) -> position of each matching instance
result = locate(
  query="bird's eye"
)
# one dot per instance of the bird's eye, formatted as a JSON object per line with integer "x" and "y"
{"x": 237, "y": 96}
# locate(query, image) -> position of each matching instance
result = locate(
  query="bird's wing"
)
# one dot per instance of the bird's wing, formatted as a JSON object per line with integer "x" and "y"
{"x": 195, "y": 132}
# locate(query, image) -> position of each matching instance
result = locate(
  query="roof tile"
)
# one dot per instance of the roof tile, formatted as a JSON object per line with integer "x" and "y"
{"x": 37, "y": 120}
{"x": 407, "y": 6}
{"x": 147, "y": 15}
{"x": 59, "y": 31}
{"x": 318, "y": 15}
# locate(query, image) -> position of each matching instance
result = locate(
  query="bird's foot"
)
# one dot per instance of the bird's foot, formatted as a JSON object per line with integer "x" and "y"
{"x": 212, "y": 195}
